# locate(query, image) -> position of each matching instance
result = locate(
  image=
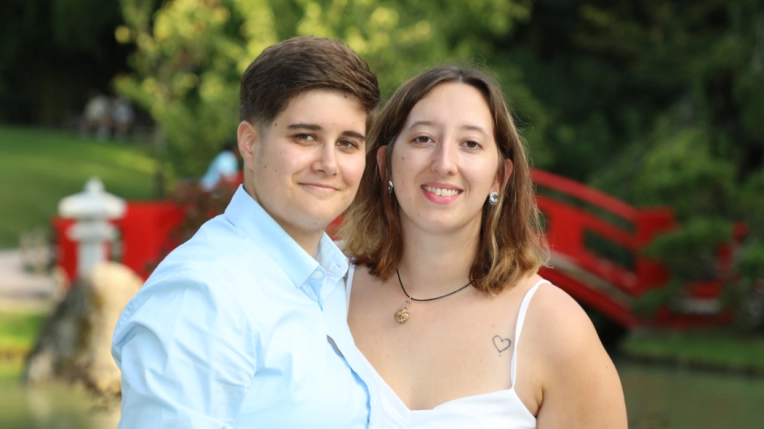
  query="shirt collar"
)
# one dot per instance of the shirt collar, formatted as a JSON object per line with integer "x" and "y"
{"x": 248, "y": 216}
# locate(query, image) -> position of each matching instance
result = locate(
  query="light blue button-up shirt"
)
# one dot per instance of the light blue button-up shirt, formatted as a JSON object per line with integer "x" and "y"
{"x": 240, "y": 328}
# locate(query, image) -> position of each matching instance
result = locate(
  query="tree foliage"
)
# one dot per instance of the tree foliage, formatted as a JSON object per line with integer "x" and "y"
{"x": 51, "y": 53}
{"x": 191, "y": 53}
{"x": 669, "y": 114}
{"x": 655, "y": 102}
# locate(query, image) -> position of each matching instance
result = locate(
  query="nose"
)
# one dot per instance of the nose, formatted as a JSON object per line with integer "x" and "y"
{"x": 444, "y": 159}
{"x": 326, "y": 162}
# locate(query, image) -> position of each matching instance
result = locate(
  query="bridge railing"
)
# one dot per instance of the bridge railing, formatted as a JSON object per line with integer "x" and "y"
{"x": 597, "y": 244}
{"x": 580, "y": 215}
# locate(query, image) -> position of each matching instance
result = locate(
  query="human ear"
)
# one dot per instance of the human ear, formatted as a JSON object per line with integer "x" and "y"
{"x": 508, "y": 168}
{"x": 381, "y": 152}
{"x": 247, "y": 135}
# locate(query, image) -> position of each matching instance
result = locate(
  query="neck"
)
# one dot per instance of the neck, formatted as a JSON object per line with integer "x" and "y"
{"x": 307, "y": 240}
{"x": 436, "y": 264}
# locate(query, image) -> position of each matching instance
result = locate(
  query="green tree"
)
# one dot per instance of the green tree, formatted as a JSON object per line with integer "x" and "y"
{"x": 52, "y": 52}
{"x": 655, "y": 102}
{"x": 669, "y": 114}
{"x": 191, "y": 53}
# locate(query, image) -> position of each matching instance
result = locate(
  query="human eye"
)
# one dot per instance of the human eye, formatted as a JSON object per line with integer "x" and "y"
{"x": 304, "y": 138}
{"x": 471, "y": 144}
{"x": 347, "y": 144}
{"x": 422, "y": 139}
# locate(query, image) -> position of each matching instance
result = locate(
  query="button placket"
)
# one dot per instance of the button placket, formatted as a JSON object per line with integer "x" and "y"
{"x": 316, "y": 283}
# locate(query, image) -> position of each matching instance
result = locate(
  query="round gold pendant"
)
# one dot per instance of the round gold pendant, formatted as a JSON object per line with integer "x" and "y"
{"x": 401, "y": 316}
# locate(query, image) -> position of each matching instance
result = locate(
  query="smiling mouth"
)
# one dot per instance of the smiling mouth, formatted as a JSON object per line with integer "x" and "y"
{"x": 442, "y": 192}
{"x": 319, "y": 186}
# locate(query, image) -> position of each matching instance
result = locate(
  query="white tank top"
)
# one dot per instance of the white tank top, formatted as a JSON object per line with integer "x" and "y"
{"x": 501, "y": 409}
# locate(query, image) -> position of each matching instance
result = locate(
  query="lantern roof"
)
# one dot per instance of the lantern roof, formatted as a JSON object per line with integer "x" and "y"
{"x": 92, "y": 202}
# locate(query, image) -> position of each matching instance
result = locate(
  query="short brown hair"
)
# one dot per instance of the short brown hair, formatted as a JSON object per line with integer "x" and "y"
{"x": 511, "y": 241}
{"x": 300, "y": 64}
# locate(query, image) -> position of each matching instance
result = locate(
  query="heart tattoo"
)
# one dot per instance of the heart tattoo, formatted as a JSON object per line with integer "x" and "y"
{"x": 501, "y": 344}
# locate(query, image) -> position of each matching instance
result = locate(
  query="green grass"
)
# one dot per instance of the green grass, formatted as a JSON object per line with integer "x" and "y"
{"x": 718, "y": 348}
{"x": 39, "y": 167}
{"x": 18, "y": 331}
{"x": 10, "y": 371}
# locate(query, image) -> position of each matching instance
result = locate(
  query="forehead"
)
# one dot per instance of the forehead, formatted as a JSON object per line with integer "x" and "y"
{"x": 453, "y": 104}
{"x": 324, "y": 107}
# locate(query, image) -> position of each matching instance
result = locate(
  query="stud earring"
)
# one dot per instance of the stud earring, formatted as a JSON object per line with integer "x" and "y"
{"x": 493, "y": 198}
{"x": 389, "y": 186}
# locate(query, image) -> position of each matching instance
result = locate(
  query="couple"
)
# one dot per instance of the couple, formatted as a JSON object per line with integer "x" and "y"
{"x": 438, "y": 320}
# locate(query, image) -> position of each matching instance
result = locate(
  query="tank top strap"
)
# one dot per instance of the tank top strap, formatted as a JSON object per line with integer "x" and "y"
{"x": 519, "y": 326}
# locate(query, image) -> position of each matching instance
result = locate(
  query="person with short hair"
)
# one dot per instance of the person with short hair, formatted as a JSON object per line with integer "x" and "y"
{"x": 445, "y": 302}
{"x": 244, "y": 325}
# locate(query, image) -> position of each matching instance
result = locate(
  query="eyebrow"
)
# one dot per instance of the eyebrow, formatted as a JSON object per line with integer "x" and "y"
{"x": 465, "y": 127}
{"x": 422, "y": 123}
{"x": 316, "y": 127}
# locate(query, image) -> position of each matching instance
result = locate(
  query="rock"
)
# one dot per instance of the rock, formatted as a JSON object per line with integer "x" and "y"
{"x": 75, "y": 344}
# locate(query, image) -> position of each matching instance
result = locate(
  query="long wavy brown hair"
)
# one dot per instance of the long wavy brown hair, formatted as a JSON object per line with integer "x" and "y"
{"x": 511, "y": 243}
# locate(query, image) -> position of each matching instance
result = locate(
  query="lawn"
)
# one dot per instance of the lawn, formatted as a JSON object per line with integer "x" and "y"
{"x": 18, "y": 332}
{"x": 719, "y": 348}
{"x": 39, "y": 167}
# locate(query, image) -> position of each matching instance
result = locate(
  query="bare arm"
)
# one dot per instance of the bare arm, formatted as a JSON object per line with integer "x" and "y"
{"x": 580, "y": 386}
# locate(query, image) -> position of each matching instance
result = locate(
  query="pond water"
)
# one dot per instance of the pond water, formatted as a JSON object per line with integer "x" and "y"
{"x": 55, "y": 407}
{"x": 656, "y": 397}
{"x": 669, "y": 398}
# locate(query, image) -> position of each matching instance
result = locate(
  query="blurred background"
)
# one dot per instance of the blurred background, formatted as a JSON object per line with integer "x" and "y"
{"x": 644, "y": 120}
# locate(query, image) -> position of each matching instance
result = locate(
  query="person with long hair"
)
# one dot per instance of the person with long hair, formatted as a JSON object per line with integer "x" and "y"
{"x": 445, "y": 302}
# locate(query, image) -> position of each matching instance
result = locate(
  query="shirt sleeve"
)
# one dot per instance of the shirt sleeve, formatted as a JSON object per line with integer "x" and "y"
{"x": 187, "y": 354}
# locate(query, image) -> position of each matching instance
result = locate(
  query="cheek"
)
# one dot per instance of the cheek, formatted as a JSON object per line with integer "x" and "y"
{"x": 282, "y": 162}
{"x": 400, "y": 161}
{"x": 408, "y": 167}
{"x": 480, "y": 177}
{"x": 352, "y": 170}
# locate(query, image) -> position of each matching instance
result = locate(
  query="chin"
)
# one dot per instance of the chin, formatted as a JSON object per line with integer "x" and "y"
{"x": 320, "y": 218}
{"x": 444, "y": 226}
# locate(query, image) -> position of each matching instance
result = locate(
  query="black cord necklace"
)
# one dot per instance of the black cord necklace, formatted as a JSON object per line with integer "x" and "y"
{"x": 402, "y": 315}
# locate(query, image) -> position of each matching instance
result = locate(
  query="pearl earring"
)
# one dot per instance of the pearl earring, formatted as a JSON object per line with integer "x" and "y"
{"x": 493, "y": 198}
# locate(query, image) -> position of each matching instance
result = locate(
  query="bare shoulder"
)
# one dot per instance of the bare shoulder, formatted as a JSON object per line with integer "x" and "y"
{"x": 580, "y": 385}
{"x": 559, "y": 322}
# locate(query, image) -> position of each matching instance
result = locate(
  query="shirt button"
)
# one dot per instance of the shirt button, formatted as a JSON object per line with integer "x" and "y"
{"x": 317, "y": 275}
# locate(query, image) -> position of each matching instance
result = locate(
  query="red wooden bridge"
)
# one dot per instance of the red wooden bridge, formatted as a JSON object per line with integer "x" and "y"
{"x": 595, "y": 239}
{"x": 597, "y": 244}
